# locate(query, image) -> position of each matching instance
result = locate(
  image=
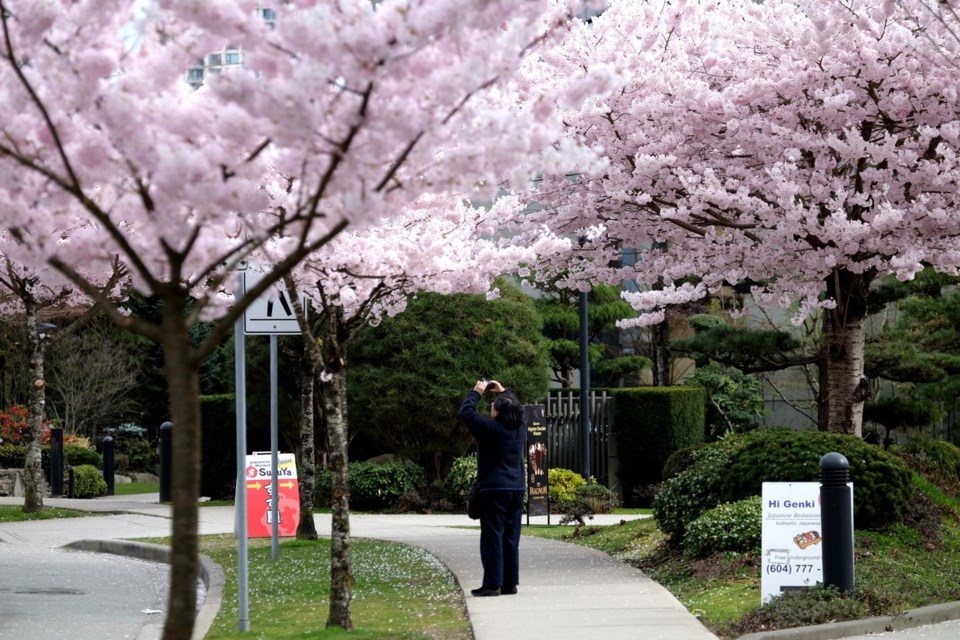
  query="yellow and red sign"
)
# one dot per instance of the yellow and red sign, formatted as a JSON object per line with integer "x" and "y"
{"x": 259, "y": 487}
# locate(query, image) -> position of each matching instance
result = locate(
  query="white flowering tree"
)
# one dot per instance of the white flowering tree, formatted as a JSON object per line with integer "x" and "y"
{"x": 802, "y": 148}
{"x": 340, "y": 116}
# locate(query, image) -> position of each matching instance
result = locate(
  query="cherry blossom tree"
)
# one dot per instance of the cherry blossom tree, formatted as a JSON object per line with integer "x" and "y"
{"x": 436, "y": 244}
{"x": 29, "y": 292}
{"x": 802, "y": 148}
{"x": 340, "y": 116}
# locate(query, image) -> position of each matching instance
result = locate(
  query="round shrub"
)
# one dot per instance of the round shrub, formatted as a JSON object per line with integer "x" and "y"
{"x": 140, "y": 455}
{"x": 463, "y": 473}
{"x": 564, "y": 485}
{"x": 87, "y": 482}
{"x": 597, "y": 498}
{"x": 732, "y": 526}
{"x": 684, "y": 497}
{"x": 882, "y": 484}
{"x": 77, "y": 455}
{"x": 375, "y": 486}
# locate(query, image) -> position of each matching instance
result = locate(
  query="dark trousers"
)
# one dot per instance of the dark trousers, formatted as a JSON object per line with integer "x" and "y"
{"x": 500, "y": 519}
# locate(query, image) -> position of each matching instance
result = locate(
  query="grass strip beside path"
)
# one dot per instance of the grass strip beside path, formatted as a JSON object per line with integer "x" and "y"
{"x": 400, "y": 592}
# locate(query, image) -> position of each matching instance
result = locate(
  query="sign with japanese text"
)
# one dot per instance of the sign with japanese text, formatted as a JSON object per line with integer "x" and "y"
{"x": 259, "y": 487}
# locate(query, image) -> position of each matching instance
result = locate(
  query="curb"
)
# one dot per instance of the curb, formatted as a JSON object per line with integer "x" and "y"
{"x": 910, "y": 619}
{"x": 210, "y": 573}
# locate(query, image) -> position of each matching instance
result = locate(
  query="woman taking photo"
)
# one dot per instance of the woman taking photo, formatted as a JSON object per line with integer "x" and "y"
{"x": 500, "y": 446}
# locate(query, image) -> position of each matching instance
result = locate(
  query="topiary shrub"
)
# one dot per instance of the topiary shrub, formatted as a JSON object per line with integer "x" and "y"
{"x": 937, "y": 460}
{"x": 732, "y": 526}
{"x": 87, "y": 482}
{"x": 597, "y": 498}
{"x": 563, "y": 485}
{"x": 375, "y": 486}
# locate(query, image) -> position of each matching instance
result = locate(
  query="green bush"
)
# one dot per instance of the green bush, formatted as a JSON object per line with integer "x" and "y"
{"x": 462, "y": 475}
{"x": 375, "y": 486}
{"x": 684, "y": 497}
{"x": 87, "y": 482}
{"x": 597, "y": 498}
{"x": 649, "y": 424}
{"x": 76, "y": 455}
{"x": 563, "y": 485}
{"x": 736, "y": 468}
{"x": 937, "y": 456}
{"x": 732, "y": 526}
{"x": 139, "y": 453}
{"x": 802, "y": 608}
{"x": 12, "y": 456}
{"x": 882, "y": 484}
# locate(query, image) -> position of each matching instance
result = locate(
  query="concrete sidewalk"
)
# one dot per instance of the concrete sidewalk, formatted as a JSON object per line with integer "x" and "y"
{"x": 566, "y": 591}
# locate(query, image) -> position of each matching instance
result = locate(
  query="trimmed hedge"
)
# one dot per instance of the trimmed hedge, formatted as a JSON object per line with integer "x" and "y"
{"x": 563, "y": 486}
{"x": 87, "y": 482}
{"x": 732, "y": 526}
{"x": 649, "y": 424}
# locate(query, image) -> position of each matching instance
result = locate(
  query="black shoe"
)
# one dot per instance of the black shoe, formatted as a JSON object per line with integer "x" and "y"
{"x": 508, "y": 591}
{"x": 485, "y": 591}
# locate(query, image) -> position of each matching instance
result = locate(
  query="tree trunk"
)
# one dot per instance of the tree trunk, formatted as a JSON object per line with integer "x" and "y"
{"x": 183, "y": 382}
{"x": 843, "y": 387}
{"x": 341, "y": 572}
{"x": 660, "y": 354}
{"x": 32, "y": 469}
{"x": 307, "y": 529}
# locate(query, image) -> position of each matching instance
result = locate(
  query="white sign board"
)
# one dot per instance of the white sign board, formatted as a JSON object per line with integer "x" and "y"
{"x": 271, "y": 313}
{"x": 791, "y": 542}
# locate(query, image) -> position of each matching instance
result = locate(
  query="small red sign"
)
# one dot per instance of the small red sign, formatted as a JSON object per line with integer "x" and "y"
{"x": 260, "y": 499}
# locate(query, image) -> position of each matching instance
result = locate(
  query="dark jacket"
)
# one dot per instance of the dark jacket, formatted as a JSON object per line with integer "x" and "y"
{"x": 500, "y": 448}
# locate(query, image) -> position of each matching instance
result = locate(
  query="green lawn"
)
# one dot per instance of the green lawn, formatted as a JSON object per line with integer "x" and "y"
{"x": 134, "y": 488}
{"x": 400, "y": 592}
{"x": 16, "y": 514}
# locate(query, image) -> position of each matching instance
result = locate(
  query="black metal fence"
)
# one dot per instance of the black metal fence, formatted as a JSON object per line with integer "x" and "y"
{"x": 563, "y": 433}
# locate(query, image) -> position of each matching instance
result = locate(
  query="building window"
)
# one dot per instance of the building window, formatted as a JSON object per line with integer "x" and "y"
{"x": 215, "y": 59}
{"x": 232, "y": 57}
{"x": 195, "y": 74}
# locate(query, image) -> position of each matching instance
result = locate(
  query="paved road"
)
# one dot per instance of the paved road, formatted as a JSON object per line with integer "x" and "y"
{"x": 110, "y": 597}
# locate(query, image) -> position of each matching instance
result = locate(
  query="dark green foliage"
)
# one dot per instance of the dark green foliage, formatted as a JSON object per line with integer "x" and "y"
{"x": 942, "y": 456}
{"x": 408, "y": 375}
{"x": 375, "y": 486}
{"x": 597, "y": 498}
{"x": 74, "y": 455}
{"x": 732, "y": 526}
{"x": 463, "y": 473}
{"x": 749, "y": 350}
{"x": 737, "y": 467}
{"x": 87, "y": 482}
{"x": 692, "y": 492}
{"x": 734, "y": 400}
{"x": 218, "y": 450}
{"x": 12, "y": 456}
{"x": 649, "y": 424}
{"x": 139, "y": 455}
{"x": 882, "y": 483}
{"x": 817, "y": 605}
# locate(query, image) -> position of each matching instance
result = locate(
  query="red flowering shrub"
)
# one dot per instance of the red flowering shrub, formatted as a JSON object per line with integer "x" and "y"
{"x": 13, "y": 426}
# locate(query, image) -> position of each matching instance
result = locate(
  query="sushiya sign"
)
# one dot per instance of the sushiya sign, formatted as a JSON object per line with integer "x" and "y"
{"x": 792, "y": 556}
{"x": 260, "y": 496}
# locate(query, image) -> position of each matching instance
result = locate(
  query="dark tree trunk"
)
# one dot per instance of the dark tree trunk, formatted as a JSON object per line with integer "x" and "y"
{"x": 307, "y": 529}
{"x": 33, "y": 471}
{"x": 341, "y": 571}
{"x": 183, "y": 382}
{"x": 660, "y": 354}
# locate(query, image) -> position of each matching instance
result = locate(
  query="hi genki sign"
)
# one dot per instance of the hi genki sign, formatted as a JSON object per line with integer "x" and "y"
{"x": 791, "y": 542}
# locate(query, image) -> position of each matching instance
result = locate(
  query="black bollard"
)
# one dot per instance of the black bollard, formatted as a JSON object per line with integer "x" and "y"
{"x": 836, "y": 520}
{"x": 56, "y": 461}
{"x": 166, "y": 455}
{"x": 108, "y": 464}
